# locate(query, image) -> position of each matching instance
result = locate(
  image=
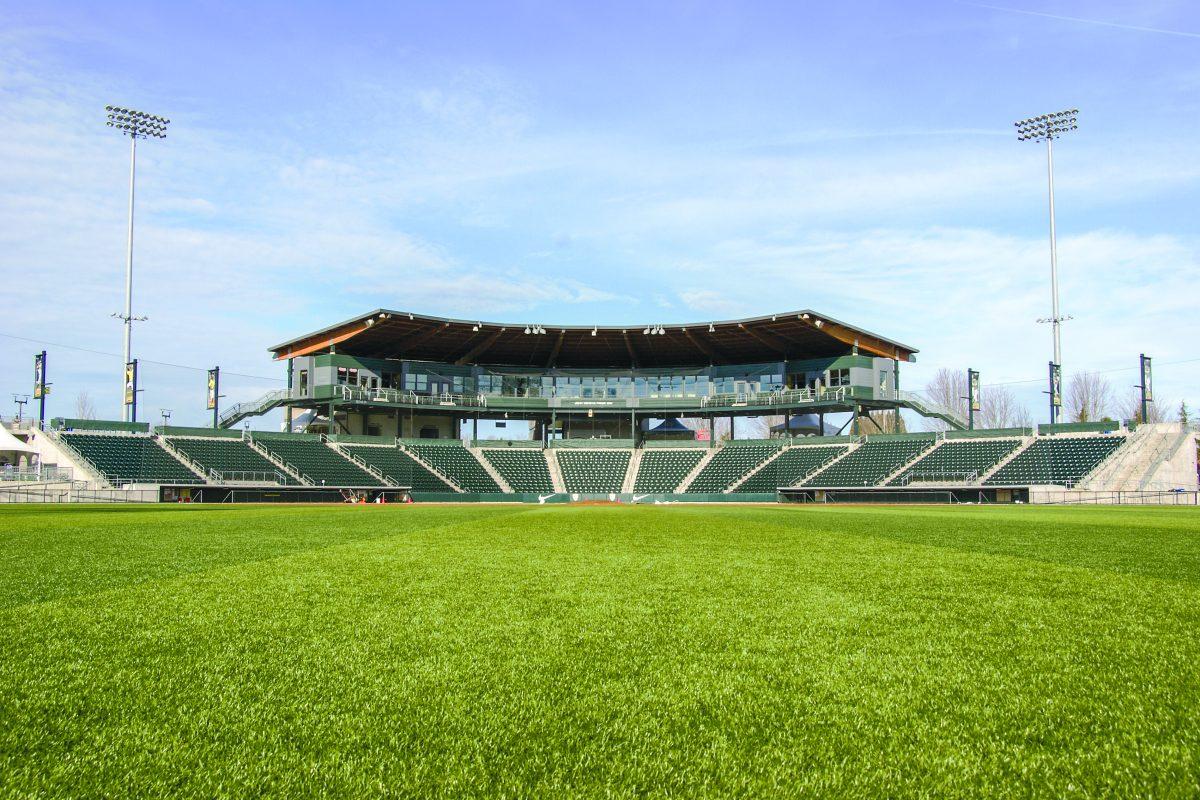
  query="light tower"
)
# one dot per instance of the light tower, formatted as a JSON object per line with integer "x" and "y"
{"x": 136, "y": 125}
{"x": 1046, "y": 128}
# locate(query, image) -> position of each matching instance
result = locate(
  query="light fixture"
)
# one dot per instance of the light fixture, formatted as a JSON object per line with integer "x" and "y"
{"x": 647, "y": 331}
{"x": 136, "y": 125}
{"x": 711, "y": 329}
{"x": 819, "y": 324}
{"x": 526, "y": 330}
{"x": 591, "y": 412}
{"x": 804, "y": 316}
{"x": 593, "y": 331}
{"x": 475, "y": 328}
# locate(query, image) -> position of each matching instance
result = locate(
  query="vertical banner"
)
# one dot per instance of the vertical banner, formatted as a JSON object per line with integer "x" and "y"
{"x": 1055, "y": 390}
{"x": 212, "y": 389}
{"x": 39, "y": 375}
{"x": 214, "y": 395}
{"x": 131, "y": 382}
{"x": 1147, "y": 379}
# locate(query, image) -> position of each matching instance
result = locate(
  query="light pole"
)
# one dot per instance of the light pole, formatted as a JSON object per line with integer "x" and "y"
{"x": 20, "y": 400}
{"x": 136, "y": 125}
{"x": 1047, "y": 128}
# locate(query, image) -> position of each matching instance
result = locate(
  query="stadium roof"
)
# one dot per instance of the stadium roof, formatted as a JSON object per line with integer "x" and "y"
{"x": 400, "y": 334}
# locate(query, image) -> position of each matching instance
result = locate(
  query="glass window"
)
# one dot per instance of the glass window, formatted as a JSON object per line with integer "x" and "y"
{"x": 303, "y": 381}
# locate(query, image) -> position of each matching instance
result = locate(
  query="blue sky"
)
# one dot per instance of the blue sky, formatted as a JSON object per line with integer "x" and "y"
{"x": 610, "y": 163}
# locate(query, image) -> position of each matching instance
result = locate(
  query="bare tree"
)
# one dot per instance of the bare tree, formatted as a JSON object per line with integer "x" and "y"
{"x": 1088, "y": 397}
{"x": 84, "y": 408}
{"x": 1130, "y": 407}
{"x": 948, "y": 388}
{"x": 720, "y": 426}
{"x": 881, "y": 422}
{"x": 999, "y": 408}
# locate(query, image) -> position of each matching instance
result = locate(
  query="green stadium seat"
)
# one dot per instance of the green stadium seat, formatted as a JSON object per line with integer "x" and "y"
{"x": 791, "y": 467}
{"x": 958, "y": 461}
{"x": 870, "y": 463}
{"x": 525, "y": 470}
{"x": 321, "y": 463}
{"x": 1056, "y": 460}
{"x": 458, "y": 464}
{"x": 728, "y": 465}
{"x": 593, "y": 471}
{"x": 129, "y": 458}
{"x": 664, "y": 470}
{"x": 232, "y": 459}
{"x": 400, "y": 467}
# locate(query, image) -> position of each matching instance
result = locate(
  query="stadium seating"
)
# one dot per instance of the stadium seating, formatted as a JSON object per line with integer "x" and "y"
{"x": 400, "y": 468}
{"x": 321, "y": 463}
{"x": 593, "y": 471}
{"x": 870, "y": 463}
{"x": 129, "y": 458}
{"x": 524, "y": 470}
{"x": 958, "y": 461}
{"x": 458, "y": 464}
{"x": 664, "y": 470}
{"x": 1056, "y": 460}
{"x": 233, "y": 458}
{"x": 793, "y": 466}
{"x": 727, "y": 465}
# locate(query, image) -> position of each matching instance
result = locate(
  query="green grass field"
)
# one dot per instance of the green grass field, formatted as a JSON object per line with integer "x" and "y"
{"x": 457, "y": 651}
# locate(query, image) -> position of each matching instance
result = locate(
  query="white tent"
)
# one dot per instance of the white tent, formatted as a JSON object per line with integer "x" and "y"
{"x": 11, "y": 444}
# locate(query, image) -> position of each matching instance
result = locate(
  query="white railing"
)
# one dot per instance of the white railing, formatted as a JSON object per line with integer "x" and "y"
{"x": 778, "y": 397}
{"x": 403, "y": 396}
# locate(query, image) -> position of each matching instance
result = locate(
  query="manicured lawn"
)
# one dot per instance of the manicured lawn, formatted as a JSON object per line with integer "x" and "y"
{"x": 456, "y": 651}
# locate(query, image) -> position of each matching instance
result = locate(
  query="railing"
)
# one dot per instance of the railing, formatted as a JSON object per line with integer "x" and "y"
{"x": 779, "y": 397}
{"x": 47, "y": 474}
{"x": 406, "y": 397}
{"x": 253, "y": 407}
{"x": 247, "y": 476}
{"x": 936, "y": 476}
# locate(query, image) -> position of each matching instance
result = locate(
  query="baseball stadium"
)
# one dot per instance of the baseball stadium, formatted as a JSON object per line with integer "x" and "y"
{"x": 500, "y": 535}
{"x": 387, "y": 407}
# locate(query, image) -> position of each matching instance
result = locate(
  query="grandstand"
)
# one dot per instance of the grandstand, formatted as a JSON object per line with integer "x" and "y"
{"x": 593, "y": 471}
{"x": 664, "y": 470}
{"x": 315, "y": 462}
{"x": 394, "y": 400}
{"x": 872, "y": 462}
{"x": 1056, "y": 460}
{"x": 524, "y": 470}
{"x": 225, "y": 460}
{"x": 399, "y": 467}
{"x": 127, "y": 458}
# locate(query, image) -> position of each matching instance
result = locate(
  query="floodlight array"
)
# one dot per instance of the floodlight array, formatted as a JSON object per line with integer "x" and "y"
{"x": 137, "y": 124}
{"x": 1047, "y": 126}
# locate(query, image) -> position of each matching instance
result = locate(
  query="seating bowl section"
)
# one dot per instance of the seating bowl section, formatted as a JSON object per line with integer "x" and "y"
{"x": 664, "y": 470}
{"x": 790, "y": 468}
{"x": 958, "y": 461}
{"x": 1056, "y": 460}
{"x": 524, "y": 470}
{"x": 232, "y": 459}
{"x": 130, "y": 458}
{"x": 728, "y": 465}
{"x": 870, "y": 463}
{"x": 321, "y": 463}
{"x": 593, "y": 471}
{"x": 400, "y": 468}
{"x": 458, "y": 464}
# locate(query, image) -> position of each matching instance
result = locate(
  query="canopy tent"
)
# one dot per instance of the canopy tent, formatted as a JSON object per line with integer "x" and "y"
{"x": 11, "y": 444}
{"x": 804, "y": 425}
{"x": 673, "y": 426}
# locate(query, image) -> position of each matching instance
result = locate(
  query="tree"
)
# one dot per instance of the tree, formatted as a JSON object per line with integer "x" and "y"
{"x": 948, "y": 388}
{"x": 1088, "y": 397}
{"x": 999, "y": 408}
{"x": 84, "y": 408}
{"x": 1183, "y": 413}
{"x": 1131, "y": 408}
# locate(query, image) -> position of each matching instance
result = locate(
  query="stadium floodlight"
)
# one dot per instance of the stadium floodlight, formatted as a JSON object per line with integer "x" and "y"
{"x": 136, "y": 125}
{"x": 1046, "y": 128}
